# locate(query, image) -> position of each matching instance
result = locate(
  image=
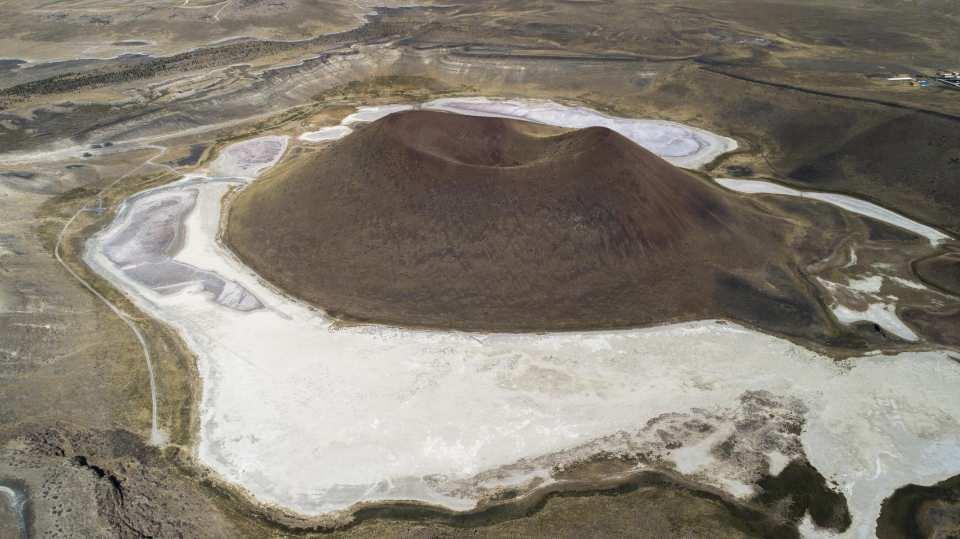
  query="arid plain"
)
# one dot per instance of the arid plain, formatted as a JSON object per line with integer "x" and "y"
{"x": 561, "y": 269}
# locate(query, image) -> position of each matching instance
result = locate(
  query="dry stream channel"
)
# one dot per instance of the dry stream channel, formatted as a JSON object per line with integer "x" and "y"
{"x": 314, "y": 417}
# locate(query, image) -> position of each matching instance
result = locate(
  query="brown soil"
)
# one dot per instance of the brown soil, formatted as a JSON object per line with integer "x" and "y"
{"x": 798, "y": 490}
{"x": 941, "y": 271}
{"x": 921, "y": 511}
{"x": 938, "y": 326}
{"x": 436, "y": 219}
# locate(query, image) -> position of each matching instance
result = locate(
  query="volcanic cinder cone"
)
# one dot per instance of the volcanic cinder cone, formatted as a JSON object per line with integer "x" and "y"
{"x": 436, "y": 219}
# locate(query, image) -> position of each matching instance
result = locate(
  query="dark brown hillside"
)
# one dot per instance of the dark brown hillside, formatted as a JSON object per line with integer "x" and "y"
{"x": 428, "y": 218}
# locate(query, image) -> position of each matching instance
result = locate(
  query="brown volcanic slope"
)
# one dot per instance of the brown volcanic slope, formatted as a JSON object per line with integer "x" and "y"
{"x": 436, "y": 219}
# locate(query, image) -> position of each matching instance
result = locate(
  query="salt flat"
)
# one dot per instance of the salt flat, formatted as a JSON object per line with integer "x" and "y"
{"x": 683, "y": 145}
{"x": 316, "y": 418}
{"x": 849, "y": 203}
{"x": 373, "y": 113}
{"x": 248, "y": 158}
{"x": 326, "y": 133}
{"x": 881, "y": 310}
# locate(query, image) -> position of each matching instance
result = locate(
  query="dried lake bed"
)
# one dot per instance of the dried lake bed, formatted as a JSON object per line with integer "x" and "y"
{"x": 315, "y": 417}
{"x": 682, "y": 145}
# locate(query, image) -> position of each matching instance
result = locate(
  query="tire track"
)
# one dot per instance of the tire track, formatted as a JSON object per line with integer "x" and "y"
{"x": 157, "y": 437}
{"x": 708, "y": 66}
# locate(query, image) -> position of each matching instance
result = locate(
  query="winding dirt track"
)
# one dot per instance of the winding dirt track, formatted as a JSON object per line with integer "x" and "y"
{"x": 709, "y": 66}
{"x": 157, "y": 437}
